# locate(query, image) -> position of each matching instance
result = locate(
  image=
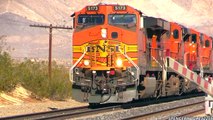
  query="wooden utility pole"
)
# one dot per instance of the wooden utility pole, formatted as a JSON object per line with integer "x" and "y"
{"x": 50, "y": 42}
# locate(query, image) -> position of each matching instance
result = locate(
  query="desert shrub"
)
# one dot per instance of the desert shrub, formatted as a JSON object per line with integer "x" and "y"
{"x": 60, "y": 86}
{"x": 34, "y": 77}
{"x": 7, "y": 80}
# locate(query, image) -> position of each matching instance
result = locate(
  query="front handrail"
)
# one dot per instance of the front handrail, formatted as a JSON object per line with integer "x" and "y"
{"x": 76, "y": 63}
{"x": 156, "y": 61}
{"x": 135, "y": 65}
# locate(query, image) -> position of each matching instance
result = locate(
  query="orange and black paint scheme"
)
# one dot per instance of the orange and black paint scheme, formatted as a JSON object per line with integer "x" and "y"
{"x": 118, "y": 54}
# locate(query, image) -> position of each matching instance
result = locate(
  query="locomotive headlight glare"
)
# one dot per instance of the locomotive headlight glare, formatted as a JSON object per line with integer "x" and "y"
{"x": 93, "y": 72}
{"x": 119, "y": 62}
{"x": 86, "y": 62}
{"x": 104, "y": 32}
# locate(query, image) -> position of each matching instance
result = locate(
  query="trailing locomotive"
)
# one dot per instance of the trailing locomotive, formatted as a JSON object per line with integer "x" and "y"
{"x": 118, "y": 55}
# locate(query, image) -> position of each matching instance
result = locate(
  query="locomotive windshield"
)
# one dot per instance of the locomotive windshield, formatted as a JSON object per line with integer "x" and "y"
{"x": 92, "y": 19}
{"x": 122, "y": 19}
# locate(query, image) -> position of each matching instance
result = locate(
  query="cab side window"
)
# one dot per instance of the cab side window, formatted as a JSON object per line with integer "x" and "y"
{"x": 194, "y": 38}
{"x": 176, "y": 34}
{"x": 207, "y": 43}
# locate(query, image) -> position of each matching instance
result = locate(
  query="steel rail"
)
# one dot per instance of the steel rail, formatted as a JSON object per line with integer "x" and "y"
{"x": 41, "y": 115}
{"x": 83, "y": 113}
{"x": 63, "y": 113}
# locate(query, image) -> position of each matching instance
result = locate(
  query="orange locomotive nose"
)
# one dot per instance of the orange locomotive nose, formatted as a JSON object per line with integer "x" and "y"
{"x": 104, "y": 46}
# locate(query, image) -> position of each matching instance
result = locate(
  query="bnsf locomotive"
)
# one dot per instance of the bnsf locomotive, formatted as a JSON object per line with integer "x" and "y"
{"x": 118, "y": 55}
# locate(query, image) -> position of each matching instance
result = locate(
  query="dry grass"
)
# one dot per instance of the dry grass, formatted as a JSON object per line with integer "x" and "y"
{"x": 34, "y": 77}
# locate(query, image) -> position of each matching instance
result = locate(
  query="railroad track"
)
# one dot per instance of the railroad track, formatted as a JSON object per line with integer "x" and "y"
{"x": 87, "y": 111}
{"x": 63, "y": 113}
{"x": 41, "y": 115}
{"x": 170, "y": 112}
{"x": 193, "y": 113}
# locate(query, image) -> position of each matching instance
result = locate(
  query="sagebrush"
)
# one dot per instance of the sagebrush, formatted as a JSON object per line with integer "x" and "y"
{"x": 34, "y": 77}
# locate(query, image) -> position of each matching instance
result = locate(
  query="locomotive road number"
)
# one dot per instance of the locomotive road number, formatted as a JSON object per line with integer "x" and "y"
{"x": 117, "y": 8}
{"x": 92, "y": 8}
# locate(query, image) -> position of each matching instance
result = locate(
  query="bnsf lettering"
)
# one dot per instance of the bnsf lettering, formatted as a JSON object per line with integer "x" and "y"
{"x": 103, "y": 48}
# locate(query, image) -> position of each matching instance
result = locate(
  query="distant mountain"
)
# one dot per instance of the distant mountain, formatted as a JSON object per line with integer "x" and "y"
{"x": 17, "y": 15}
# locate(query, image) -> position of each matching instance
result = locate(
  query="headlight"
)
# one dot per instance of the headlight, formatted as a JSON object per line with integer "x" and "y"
{"x": 104, "y": 32}
{"x": 86, "y": 62}
{"x": 119, "y": 62}
{"x": 193, "y": 46}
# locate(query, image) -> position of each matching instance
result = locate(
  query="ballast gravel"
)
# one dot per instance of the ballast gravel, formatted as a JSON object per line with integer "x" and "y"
{"x": 122, "y": 114}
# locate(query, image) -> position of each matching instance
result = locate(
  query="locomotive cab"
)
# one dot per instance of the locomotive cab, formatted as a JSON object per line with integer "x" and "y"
{"x": 155, "y": 29}
{"x": 105, "y": 54}
{"x": 192, "y": 50}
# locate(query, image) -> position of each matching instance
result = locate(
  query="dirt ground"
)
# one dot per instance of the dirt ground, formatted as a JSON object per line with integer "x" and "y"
{"x": 19, "y": 102}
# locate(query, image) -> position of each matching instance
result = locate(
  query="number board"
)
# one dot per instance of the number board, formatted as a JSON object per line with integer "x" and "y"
{"x": 120, "y": 8}
{"x": 92, "y": 8}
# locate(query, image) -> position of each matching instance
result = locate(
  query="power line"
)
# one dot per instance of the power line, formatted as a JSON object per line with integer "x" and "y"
{"x": 51, "y": 26}
{"x": 50, "y": 42}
